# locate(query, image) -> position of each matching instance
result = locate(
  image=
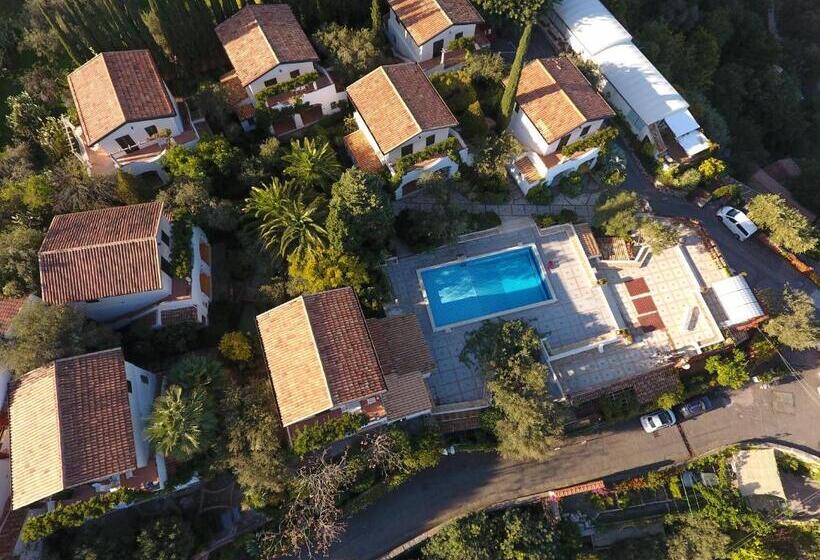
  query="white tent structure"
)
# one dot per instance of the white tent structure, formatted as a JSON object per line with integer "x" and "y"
{"x": 631, "y": 83}
{"x": 737, "y": 300}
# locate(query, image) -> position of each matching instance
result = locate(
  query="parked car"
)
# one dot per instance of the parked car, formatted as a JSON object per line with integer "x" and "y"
{"x": 695, "y": 407}
{"x": 657, "y": 420}
{"x": 737, "y": 222}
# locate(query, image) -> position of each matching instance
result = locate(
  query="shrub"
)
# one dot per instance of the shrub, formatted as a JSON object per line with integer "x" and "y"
{"x": 672, "y": 397}
{"x": 473, "y": 124}
{"x": 75, "y": 514}
{"x": 601, "y": 139}
{"x": 317, "y": 436}
{"x": 565, "y": 216}
{"x": 730, "y": 193}
{"x": 166, "y": 538}
{"x": 658, "y": 235}
{"x": 614, "y": 178}
{"x": 619, "y": 406}
{"x": 481, "y": 220}
{"x": 688, "y": 180}
{"x": 571, "y": 185}
{"x": 422, "y": 229}
{"x": 711, "y": 168}
{"x": 540, "y": 194}
{"x": 235, "y": 347}
{"x": 181, "y": 249}
{"x": 731, "y": 371}
{"x": 617, "y": 215}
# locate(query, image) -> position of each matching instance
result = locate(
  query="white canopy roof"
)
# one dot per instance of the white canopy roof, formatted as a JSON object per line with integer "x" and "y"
{"x": 693, "y": 142}
{"x": 640, "y": 83}
{"x": 591, "y": 24}
{"x": 681, "y": 122}
{"x": 737, "y": 300}
{"x": 757, "y": 474}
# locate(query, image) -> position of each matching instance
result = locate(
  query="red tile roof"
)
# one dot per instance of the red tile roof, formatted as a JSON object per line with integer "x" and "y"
{"x": 424, "y": 19}
{"x": 319, "y": 353}
{"x": 557, "y": 98}
{"x": 9, "y": 307}
{"x": 398, "y": 102}
{"x": 70, "y": 425}
{"x": 258, "y": 38}
{"x": 115, "y": 88}
{"x": 101, "y": 253}
{"x": 361, "y": 152}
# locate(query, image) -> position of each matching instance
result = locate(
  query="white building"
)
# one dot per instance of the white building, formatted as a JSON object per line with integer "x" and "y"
{"x": 555, "y": 107}
{"x": 400, "y": 113}
{"x": 652, "y": 107}
{"x": 114, "y": 264}
{"x": 77, "y": 424}
{"x": 421, "y": 30}
{"x": 128, "y": 117}
{"x": 268, "y": 48}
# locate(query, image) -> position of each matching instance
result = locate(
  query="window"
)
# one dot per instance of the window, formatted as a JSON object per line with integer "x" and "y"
{"x": 151, "y": 130}
{"x": 516, "y": 107}
{"x": 459, "y": 35}
{"x": 563, "y": 142}
{"x": 128, "y": 381}
{"x": 271, "y": 82}
{"x": 126, "y": 143}
{"x": 430, "y": 140}
{"x": 165, "y": 265}
{"x": 406, "y": 150}
{"x": 585, "y": 130}
{"x": 164, "y": 237}
{"x": 144, "y": 379}
{"x": 294, "y": 74}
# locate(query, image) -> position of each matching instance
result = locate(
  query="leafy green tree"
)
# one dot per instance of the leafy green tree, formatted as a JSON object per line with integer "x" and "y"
{"x": 44, "y": 333}
{"x": 795, "y": 324}
{"x": 324, "y": 269}
{"x": 181, "y": 425}
{"x": 484, "y": 66}
{"x": 731, "y": 371}
{"x": 198, "y": 371}
{"x": 696, "y": 537}
{"x": 19, "y": 269}
{"x": 352, "y": 51}
{"x": 617, "y": 215}
{"x": 376, "y": 18}
{"x": 53, "y": 139}
{"x": 166, "y": 538}
{"x": 270, "y": 153}
{"x": 312, "y": 164}
{"x": 25, "y": 117}
{"x": 787, "y": 227}
{"x": 672, "y": 397}
{"x": 74, "y": 190}
{"x": 712, "y": 168}
{"x": 360, "y": 220}
{"x": 27, "y": 200}
{"x": 235, "y": 347}
{"x": 254, "y": 452}
{"x": 658, "y": 235}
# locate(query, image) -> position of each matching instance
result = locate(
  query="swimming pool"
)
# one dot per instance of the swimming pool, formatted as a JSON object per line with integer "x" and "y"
{"x": 483, "y": 287}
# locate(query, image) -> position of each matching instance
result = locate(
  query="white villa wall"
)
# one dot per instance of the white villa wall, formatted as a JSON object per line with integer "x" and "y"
{"x": 143, "y": 388}
{"x": 281, "y": 73}
{"x": 198, "y": 297}
{"x": 419, "y": 143}
{"x": 524, "y": 130}
{"x": 136, "y": 130}
{"x": 108, "y": 309}
{"x": 404, "y": 44}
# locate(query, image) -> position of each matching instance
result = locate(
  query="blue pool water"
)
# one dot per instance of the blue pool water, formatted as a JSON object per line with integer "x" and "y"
{"x": 475, "y": 288}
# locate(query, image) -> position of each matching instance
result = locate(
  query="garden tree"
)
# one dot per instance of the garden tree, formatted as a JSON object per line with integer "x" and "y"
{"x": 270, "y": 153}
{"x": 712, "y": 168}
{"x": 44, "y": 333}
{"x": 487, "y": 179}
{"x": 326, "y": 268}
{"x": 213, "y": 160}
{"x": 360, "y": 219}
{"x": 514, "y": 534}
{"x": 166, "y": 538}
{"x": 16, "y": 162}
{"x": 426, "y": 229}
{"x": 376, "y": 19}
{"x": 523, "y": 12}
{"x": 284, "y": 219}
{"x": 19, "y": 269}
{"x": 659, "y": 235}
{"x": 181, "y": 424}
{"x": 647, "y": 548}
{"x": 787, "y": 227}
{"x": 236, "y": 347}
{"x": 211, "y": 99}
{"x": 99, "y": 540}
{"x": 312, "y": 520}
{"x": 185, "y": 198}
{"x": 353, "y": 52}
{"x": 672, "y": 397}
{"x": 731, "y": 371}
{"x": 696, "y": 537}
{"x": 132, "y": 189}
{"x": 795, "y": 324}
{"x": 312, "y": 165}
{"x": 483, "y": 67}
{"x": 616, "y": 215}
{"x": 254, "y": 452}
{"x": 77, "y": 191}
{"x": 28, "y": 200}
{"x": 53, "y": 139}
{"x": 25, "y": 117}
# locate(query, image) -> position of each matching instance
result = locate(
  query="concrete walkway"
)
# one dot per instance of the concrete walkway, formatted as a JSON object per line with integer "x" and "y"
{"x": 787, "y": 414}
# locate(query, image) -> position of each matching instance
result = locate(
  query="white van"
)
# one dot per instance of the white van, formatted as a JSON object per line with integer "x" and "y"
{"x": 737, "y": 222}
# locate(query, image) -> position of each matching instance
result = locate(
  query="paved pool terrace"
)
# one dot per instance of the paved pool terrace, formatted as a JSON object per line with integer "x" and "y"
{"x": 580, "y": 311}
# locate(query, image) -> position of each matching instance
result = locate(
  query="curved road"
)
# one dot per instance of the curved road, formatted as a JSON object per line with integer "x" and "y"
{"x": 788, "y": 414}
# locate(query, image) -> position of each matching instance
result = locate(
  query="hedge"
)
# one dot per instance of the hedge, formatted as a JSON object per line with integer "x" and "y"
{"x": 317, "y": 436}
{"x": 276, "y": 89}
{"x": 181, "y": 250}
{"x": 599, "y": 139}
{"x": 448, "y": 147}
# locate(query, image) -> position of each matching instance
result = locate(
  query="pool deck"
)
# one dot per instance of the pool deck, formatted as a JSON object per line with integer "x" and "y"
{"x": 579, "y": 313}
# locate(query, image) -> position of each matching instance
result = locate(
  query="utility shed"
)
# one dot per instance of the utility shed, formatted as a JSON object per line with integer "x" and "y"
{"x": 739, "y": 303}
{"x": 758, "y": 479}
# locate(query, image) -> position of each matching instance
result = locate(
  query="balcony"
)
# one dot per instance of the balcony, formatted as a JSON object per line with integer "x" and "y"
{"x": 286, "y": 97}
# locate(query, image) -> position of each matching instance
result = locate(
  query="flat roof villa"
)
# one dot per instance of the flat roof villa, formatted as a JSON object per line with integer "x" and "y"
{"x": 582, "y": 298}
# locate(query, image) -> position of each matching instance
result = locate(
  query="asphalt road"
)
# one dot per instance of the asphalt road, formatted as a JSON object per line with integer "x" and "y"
{"x": 788, "y": 414}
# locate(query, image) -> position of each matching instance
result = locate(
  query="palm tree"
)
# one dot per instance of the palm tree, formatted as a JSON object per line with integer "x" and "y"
{"x": 285, "y": 220}
{"x": 180, "y": 425}
{"x": 311, "y": 164}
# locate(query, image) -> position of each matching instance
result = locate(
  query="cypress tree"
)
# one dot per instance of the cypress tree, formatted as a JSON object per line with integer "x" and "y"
{"x": 508, "y": 99}
{"x": 70, "y": 50}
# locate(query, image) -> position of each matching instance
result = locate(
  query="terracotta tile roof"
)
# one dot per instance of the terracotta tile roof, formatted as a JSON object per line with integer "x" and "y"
{"x": 258, "y": 38}
{"x": 527, "y": 169}
{"x": 557, "y": 97}
{"x": 407, "y": 395}
{"x": 587, "y": 239}
{"x": 319, "y": 353}
{"x": 101, "y": 253}
{"x": 115, "y": 88}
{"x": 234, "y": 90}
{"x": 362, "y": 152}
{"x": 70, "y": 425}
{"x": 424, "y": 19}
{"x": 9, "y": 307}
{"x": 397, "y": 102}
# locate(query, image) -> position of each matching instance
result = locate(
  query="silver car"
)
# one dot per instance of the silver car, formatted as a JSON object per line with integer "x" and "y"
{"x": 657, "y": 420}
